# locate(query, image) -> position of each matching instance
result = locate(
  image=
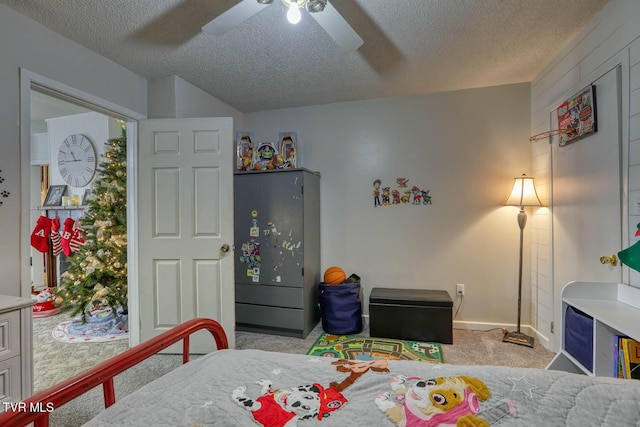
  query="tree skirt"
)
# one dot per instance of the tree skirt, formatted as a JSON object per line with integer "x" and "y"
{"x": 101, "y": 326}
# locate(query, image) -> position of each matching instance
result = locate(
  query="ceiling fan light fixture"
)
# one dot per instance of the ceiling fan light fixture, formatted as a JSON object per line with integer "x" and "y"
{"x": 294, "y": 15}
{"x": 314, "y": 6}
{"x": 264, "y": 1}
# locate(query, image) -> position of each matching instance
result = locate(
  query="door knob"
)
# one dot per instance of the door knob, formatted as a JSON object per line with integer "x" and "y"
{"x": 224, "y": 248}
{"x": 611, "y": 259}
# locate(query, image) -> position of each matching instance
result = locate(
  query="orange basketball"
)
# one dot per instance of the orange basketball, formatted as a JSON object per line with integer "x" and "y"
{"x": 334, "y": 276}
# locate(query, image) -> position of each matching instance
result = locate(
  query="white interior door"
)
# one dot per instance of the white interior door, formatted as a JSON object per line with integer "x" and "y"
{"x": 185, "y": 218}
{"x": 587, "y": 197}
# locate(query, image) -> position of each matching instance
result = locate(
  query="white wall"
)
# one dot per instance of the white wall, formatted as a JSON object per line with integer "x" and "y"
{"x": 174, "y": 97}
{"x": 24, "y": 43}
{"x": 614, "y": 31}
{"x": 465, "y": 147}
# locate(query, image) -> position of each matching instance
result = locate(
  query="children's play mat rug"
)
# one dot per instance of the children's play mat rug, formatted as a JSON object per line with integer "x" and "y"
{"x": 365, "y": 348}
{"x": 101, "y": 326}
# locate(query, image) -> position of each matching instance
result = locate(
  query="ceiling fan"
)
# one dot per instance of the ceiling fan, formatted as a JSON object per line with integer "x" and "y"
{"x": 321, "y": 10}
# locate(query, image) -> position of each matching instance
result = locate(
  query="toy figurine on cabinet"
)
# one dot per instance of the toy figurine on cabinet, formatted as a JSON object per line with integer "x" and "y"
{"x": 288, "y": 142}
{"x": 244, "y": 148}
{"x": 266, "y": 156}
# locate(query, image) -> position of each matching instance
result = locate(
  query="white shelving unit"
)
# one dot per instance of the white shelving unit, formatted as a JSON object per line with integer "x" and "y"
{"x": 615, "y": 309}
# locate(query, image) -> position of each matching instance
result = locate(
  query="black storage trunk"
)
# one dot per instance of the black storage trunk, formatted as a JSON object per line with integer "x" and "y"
{"x": 411, "y": 314}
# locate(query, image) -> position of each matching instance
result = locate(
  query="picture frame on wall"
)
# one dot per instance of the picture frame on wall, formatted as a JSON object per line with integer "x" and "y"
{"x": 577, "y": 116}
{"x": 54, "y": 195}
{"x": 87, "y": 196}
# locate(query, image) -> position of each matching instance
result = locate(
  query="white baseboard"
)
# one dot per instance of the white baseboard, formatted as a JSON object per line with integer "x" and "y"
{"x": 487, "y": 326}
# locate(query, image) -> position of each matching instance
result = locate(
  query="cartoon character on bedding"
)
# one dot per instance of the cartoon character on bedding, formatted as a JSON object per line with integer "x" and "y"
{"x": 434, "y": 402}
{"x": 283, "y": 407}
{"x": 356, "y": 369}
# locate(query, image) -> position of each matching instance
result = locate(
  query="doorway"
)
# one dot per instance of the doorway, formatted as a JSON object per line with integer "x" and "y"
{"x": 45, "y": 100}
{"x": 32, "y": 82}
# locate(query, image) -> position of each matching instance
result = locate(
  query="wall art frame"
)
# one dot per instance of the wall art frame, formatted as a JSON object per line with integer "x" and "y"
{"x": 54, "y": 195}
{"x": 577, "y": 116}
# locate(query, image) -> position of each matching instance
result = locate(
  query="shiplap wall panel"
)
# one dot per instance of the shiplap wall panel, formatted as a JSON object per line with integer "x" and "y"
{"x": 634, "y": 78}
{"x": 612, "y": 31}
{"x": 634, "y": 53}
{"x": 634, "y": 148}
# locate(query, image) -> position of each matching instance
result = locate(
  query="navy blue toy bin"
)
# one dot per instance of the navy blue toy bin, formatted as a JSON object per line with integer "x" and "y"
{"x": 341, "y": 308}
{"x": 578, "y": 336}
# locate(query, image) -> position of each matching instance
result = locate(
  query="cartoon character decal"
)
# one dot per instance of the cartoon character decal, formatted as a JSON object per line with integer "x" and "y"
{"x": 376, "y": 193}
{"x": 414, "y": 195}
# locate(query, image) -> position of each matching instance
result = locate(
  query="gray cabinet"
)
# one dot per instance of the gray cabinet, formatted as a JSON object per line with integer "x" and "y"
{"x": 277, "y": 251}
{"x": 16, "y": 360}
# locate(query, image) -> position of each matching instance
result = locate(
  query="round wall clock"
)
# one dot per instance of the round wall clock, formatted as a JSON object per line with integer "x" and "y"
{"x": 77, "y": 160}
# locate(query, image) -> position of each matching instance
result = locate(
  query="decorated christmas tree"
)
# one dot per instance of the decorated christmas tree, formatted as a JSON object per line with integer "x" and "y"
{"x": 96, "y": 276}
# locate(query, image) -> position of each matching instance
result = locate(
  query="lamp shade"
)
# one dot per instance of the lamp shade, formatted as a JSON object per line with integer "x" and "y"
{"x": 523, "y": 193}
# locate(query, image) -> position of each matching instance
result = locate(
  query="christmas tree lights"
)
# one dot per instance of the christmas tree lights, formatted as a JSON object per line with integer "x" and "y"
{"x": 96, "y": 276}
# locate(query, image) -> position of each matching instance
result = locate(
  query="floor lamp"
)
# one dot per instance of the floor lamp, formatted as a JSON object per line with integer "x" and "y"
{"x": 523, "y": 194}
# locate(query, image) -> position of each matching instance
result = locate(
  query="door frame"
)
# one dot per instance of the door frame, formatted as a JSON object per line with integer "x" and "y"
{"x": 29, "y": 80}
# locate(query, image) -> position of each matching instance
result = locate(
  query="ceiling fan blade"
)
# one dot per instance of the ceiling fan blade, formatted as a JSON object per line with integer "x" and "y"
{"x": 232, "y": 17}
{"x": 338, "y": 28}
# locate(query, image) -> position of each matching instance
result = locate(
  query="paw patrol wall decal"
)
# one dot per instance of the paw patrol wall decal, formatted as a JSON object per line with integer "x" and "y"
{"x": 4, "y": 194}
{"x": 403, "y": 194}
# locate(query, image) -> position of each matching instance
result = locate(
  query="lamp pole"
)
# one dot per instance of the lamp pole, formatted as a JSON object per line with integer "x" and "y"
{"x": 523, "y": 194}
{"x": 522, "y": 221}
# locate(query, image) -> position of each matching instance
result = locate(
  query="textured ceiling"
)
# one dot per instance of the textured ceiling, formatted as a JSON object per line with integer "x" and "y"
{"x": 410, "y": 46}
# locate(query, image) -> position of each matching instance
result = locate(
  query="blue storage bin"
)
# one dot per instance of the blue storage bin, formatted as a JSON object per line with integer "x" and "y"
{"x": 341, "y": 308}
{"x": 578, "y": 336}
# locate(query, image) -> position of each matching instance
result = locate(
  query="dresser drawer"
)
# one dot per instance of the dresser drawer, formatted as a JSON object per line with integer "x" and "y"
{"x": 278, "y": 296}
{"x": 10, "y": 381}
{"x": 274, "y": 317}
{"x": 9, "y": 335}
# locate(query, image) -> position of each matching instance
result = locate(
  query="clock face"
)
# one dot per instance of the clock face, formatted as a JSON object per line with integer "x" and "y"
{"x": 77, "y": 160}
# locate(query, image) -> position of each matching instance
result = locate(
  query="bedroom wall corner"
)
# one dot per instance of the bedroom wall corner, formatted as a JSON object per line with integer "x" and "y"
{"x": 465, "y": 147}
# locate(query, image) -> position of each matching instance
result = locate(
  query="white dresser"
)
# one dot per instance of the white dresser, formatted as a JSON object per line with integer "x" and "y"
{"x": 16, "y": 359}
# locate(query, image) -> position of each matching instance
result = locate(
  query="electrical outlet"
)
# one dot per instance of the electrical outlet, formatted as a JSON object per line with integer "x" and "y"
{"x": 460, "y": 289}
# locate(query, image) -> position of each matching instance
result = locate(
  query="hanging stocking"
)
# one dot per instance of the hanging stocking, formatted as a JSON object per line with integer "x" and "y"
{"x": 40, "y": 234}
{"x": 55, "y": 236}
{"x": 66, "y": 236}
{"x": 77, "y": 239}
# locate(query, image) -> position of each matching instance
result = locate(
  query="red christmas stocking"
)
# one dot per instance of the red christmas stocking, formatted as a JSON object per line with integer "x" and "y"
{"x": 55, "y": 236}
{"x": 40, "y": 234}
{"x": 66, "y": 236}
{"x": 77, "y": 239}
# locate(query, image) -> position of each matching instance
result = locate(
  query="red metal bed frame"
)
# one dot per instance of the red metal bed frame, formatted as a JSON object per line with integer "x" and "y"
{"x": 34, "y": 409}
